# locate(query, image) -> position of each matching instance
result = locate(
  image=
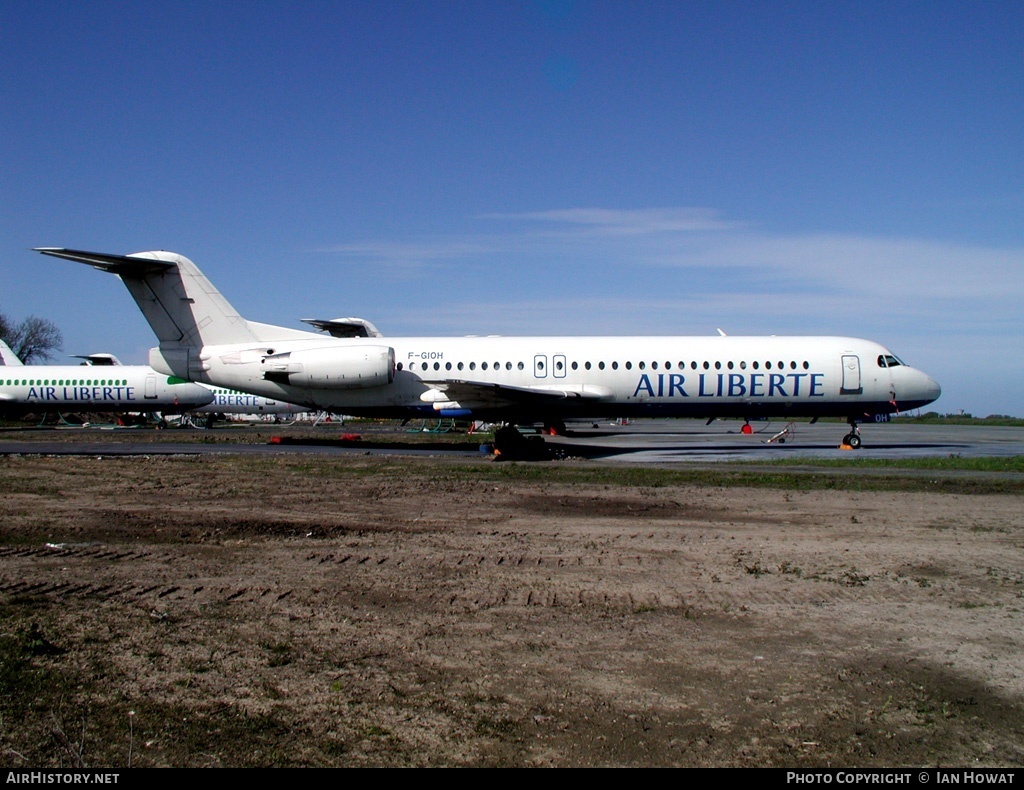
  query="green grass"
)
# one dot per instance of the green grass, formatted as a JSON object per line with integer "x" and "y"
{"x": 934, "y": 418}
{"x": 1012, "y": 463}
{"x": 939, "y": 475}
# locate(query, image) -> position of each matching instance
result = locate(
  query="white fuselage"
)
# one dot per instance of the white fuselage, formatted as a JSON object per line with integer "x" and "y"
{"x": 230, "y": 401}
{"x": 599, "y": 376}
{"x": 103, "y": 388}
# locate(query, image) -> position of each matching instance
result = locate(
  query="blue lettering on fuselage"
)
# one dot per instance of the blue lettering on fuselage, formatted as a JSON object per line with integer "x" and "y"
{"x": 117, "y": 394}
{"x": 667, "y": 386}
{"x": 644, "y": 384}
{"x": 235, "y": 399}
{"x": 733, "y": 385}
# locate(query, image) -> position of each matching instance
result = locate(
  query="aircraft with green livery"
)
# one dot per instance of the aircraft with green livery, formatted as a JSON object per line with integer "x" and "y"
{"x": 96, "y": 385}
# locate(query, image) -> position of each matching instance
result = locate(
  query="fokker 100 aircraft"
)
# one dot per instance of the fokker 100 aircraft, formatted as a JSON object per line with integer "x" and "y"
{"x": 515, "y": 380}
{"x": 96, "y": 387}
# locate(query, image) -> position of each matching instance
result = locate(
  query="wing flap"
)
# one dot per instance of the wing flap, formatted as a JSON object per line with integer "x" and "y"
{"x": 445, "y": 393}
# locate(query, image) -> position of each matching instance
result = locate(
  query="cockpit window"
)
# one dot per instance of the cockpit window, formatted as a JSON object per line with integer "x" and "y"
{"x": 888, "y": 361}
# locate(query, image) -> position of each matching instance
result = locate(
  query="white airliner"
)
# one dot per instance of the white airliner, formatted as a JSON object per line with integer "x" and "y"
{"x": 516, "y": 380}
{"x": 93, "y": 387}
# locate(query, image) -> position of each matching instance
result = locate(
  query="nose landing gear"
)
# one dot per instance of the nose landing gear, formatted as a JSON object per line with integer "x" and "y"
{"x": 852, "y": 440}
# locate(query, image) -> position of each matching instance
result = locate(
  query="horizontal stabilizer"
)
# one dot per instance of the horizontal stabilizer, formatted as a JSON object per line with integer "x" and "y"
{"x": 98, "y": 359}
{"x": 344, "y": 327}
{"x": 115, "y": 264}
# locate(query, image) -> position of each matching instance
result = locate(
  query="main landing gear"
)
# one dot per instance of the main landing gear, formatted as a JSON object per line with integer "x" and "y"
{"x": 510, "y": 444}
{"x": 555, "y": 428}
{"x": 852, "y": 440}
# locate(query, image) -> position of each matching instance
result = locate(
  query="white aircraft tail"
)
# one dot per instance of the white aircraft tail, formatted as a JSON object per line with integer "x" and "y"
{"x": 8, "y": 357}
{"x": 182, "y": 306}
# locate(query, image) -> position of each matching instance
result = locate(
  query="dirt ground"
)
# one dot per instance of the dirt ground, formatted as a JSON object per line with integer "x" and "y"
{"x": 233, "y": 610}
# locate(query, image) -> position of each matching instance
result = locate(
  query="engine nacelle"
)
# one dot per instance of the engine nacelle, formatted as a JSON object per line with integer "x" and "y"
{"x": 350, "y": 367}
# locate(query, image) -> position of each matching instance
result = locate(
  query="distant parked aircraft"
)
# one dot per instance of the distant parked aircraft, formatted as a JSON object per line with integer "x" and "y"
{"x": 95, "y": 388}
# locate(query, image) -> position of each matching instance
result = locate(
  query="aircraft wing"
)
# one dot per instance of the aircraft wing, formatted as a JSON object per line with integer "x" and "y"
{"x": 457, "y": 393}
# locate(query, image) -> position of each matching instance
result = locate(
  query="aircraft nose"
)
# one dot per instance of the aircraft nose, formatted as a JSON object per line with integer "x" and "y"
{"x": 199, "y": 395}
{"x": 928, "y": 388}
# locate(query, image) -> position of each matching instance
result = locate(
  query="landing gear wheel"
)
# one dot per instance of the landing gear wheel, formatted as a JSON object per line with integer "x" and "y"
{"x": 507, "y": 436}
{"x": 853, "y": 440}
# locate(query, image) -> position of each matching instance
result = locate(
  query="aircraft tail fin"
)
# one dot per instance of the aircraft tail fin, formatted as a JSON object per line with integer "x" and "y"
{"x": 7, "y": 357}
{"x": 181, "y": 305}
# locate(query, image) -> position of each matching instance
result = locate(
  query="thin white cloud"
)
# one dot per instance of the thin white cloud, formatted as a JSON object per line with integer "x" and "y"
{"x": 629, "y": 221}
{"x": 879, "y": 267}
{"x": 679, "y": 270}
{"x": 870, "y": 267}
{"x": 437, "y": 250}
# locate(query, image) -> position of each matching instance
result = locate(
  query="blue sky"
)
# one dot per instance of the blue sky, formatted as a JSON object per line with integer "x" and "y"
{"x": 452, "y": 168}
